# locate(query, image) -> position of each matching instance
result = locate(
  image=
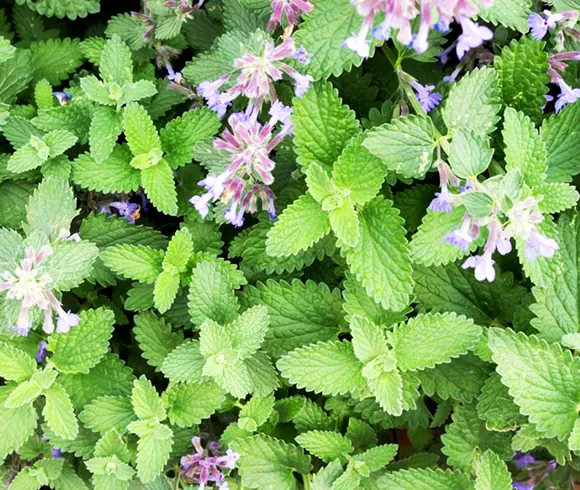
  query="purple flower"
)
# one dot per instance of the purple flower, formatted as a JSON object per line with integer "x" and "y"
{"x": 427, "y": 99}
{"x": 302, "y": 83}
{"x": 202, "y": 468}
{"x": 464, "y": 236}
{"x": 235, "y": 217}
{"x": 201, "y": 203}
{"x": 539, "y": 244}
{"x": 359, "y": 44}
{"x": 524, "y": 459}
{"x": 483, "y": 265}
{"x": 522, "y": 485}
{"x": 56, "y": 452}
{"x": 22, "y": 330}
{"x": 473, "y": 36}
{"x": 293, "y": 9}
{"x": 172, "y": 75}
{"x": 41, "y": 352}
{"x": 215, "y": 185}
{"x": 66, "y": 321}
{"x": 568, "y": 95}
{"x": 452, "y": 77}
{"x": 62, "y": 97}
{"x": 128, "y": 210}
{"x": 210, "y": 92}
{"x": 539, "y": 25}
{"x": 441, "y": 202}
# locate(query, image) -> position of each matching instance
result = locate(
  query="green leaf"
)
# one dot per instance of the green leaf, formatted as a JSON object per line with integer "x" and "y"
{"x": 405, "y": 145}
{"x": 160, "y": 187}
{"x": 555, "y": 197}
{"x": 24, "y": 159}
{"x": 509, "y": 13}
{"x": 368, "y": 339}
{"x": 322, "y": 34}
{"x": 560, "y": 135}
{"x": 266, "y": 462}
{"x": 24, "y": 394}
{"x": 15, "y": 364}
{"x": 300, "y": 313}
{"x": 322, "y": 126}
{"x": 96, "y": 90}
{"x": 470, "y": 154}
{"x": 59, "y": 141}
{"x": 491, "y": 473}
{"x": 189, "y": 403}
{"x": 330, "y": 368}
{"x": 319, "y": 184}
{"x": 211, "y": 294}
{"x": 146, "y": 401}
{"x": 55, "y": 59}
{"x": 423, "y": 341}
{"x": 83, "y": 346}
{"x": 557, "y": 306}
{"x": 542, "y": 379}
{"x": 247, "y": 332}
{"x": 51, "y": 208}
{"x": 113, "y": 175}
{"x": 182, "y": 133}
{"x": 425, "y": 479}
{"x": 380, "y": 259}
{"x": 153, "y": 450}
{"x": 523, "y": 74}
{"x": 155, "y": 338}
{"x": 358, "y": 171}
{"x": 165, "y": 292}
{"x": 302, "y": 224}
{"x": 325, "y": 445}
{"x": 106, "y": 126}
{"x": 497, "y": 407}
{"x": 137, "y": 262}
{"x": 60, "y": 9}
{"x": 184, "y": 363}
{"x": 474, "y": 102}
{"x": 58, "y": 412}
{"x": 15, "y": 75}
{"x": 574, "y": 441}
{"x": 70, "y": 263}
{"x": 326, "y": 476}
{"x": 115, "y": 64}
{"x": 387, "y": 387}
{"x": 6, "y": 50}
{"x": 179, "y": 250}
{"x": 466, "y": 437}
{"x": 345, "y": 223}
{"x": 139, "y": 130}
{"x": 524, "y": 149}
{"x": 141, "y": 89}
{"x": 108, "y": 413}
{"x": 25, "y": 418}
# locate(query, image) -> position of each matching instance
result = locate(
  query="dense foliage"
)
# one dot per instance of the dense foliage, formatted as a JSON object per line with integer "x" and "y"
{"x": 289, "y": 244}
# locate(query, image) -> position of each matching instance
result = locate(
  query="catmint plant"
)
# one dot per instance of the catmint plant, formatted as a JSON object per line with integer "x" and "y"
{"x": 289, "y": 244}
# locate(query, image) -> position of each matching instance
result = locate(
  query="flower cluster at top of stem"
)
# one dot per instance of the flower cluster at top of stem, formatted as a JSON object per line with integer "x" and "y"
{"x": 249, "y": 142}
{"x": 505, "y": 220}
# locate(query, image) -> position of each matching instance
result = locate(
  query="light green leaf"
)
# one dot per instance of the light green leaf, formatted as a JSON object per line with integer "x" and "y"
{"x": 24, "y": 159}
{"x": 83, "y": 346}
{"x": 137, "y": 262}
{"x": 542, "y": 378}
{"x": 325, "y": 445}
{"x": 138, "y": 90}
{"x": 322, "y": 126}
{"x": 70, "y": 263}
{"x": 256, "y": 412}
{"x": 491, "y": 473}
{"x": 266, "y": 462}
{"x": 153, "y": 450}
{"x": 15, "y": 364}
{"x": 146, "y": 401}
{"x": 55, "y": 59}
{"x": 425, "y": 479}
{"x": 115, "y": 64}
{"x": 368, "y": 339}
{"x": 59, "y": 141}
{"x": 330, "y": 368}
{"x": 139, "y": 129}
{"x": 247, "y": 332}
{"x": 474, "y": 102}
{"x": 25, "y": 480}
{"x": 345, "y": 223}
{"x": 302, "y": 224}
{"x": 184, "y": 363}
{"x": 96, "y": 90}
{"x": 179, "y": 250}
{"x": 51, "y": 208}
{"x": 470, "y": 154}
{"x": 326, "y": 476}
{"x": 574, "y": 441}
{"x": 319, "y": 184}
{"x": 155, "y": 338}
{"x": 524, "y": 149}
{"x": 555, "y": 197}
{"x": 380, "y": 259}
{"x": 6, "y": 50}
{"x": 25, "y": 418}
{"x": 497, "y": 407}
{"x": 15, "y": 75}
{"x": 58, "y": 412}
{"x": 387, "y": 388}
{"x": 24, "y": 394}
{"x": 106, "y": 126}
{"x": 108, "y": 413}
{"x": 188, "y": 403}
{"x": 424, "y": 341}
{"x": 523, "y": 75}
{"x": 160, "y": 187}
{"x": 509, "y": 13}
{"x": 165, "y": 292}
{"x": 113, "y": 175}
{"x": 322, "y": 34}
{"x": 358, "y": 171}
{"x": 405, "y": 145}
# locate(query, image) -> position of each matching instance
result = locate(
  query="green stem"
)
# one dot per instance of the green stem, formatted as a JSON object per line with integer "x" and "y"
{"x": 306, "y": 480}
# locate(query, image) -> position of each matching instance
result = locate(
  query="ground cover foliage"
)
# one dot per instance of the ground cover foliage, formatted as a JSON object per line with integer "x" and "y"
{"x": 289, "y": 244}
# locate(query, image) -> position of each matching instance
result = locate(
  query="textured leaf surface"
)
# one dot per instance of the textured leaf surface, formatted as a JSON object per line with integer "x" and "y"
{"x": 106, "y": 126}
{"x": 542, "y": 378}
{"x": 108, "y": 413}
{"x": 55, "y": 59}
{"x": 425, "y": 479}
{"x": 322, "y": 126}
{"x": 83, "y": 346}
{"x": 155, "y": 338}
{"x": 266, "y": 462}
{"x": 160, "y": 187}
{"x": 136, "y": 262}
{"x": 58, "y": 412}
{"x": 509, "y": 13}
{"x": 405, "y": 145}
{"x": 190, "y": 403}
{"x": 15, "y": 364}
{"x": 184, "y": 363}
{"x": 330, "y": 368}
{"x": 325, "y": 445}
{"x": 491, "y": 473}
{"x": 380, "y": 259}
{"x": 560, "y": 135}
{"x": 302, "y": 224}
